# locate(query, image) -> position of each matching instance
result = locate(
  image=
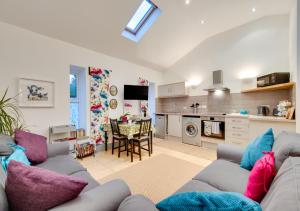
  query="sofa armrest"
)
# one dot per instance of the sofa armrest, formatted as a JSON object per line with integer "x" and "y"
{"x": 137, "y": 202}
{"x": 62, "y": 148}
{"x": 230, "y": 153}
{"x": 106, "y": 197}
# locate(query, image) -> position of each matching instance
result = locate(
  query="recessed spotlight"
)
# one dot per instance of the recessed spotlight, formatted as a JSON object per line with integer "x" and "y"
{"x": 202, "y": 22}
{"x": 253, "y": 9}
{"x": 187, "y": 2}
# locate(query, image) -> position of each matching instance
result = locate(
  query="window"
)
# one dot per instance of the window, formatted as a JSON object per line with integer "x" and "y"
{"x": 74, "y": 102}
{"x": 141, "y": 21}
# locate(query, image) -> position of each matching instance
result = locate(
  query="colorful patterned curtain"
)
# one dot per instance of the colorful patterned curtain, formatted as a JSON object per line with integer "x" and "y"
{"x": 99, "y": 89}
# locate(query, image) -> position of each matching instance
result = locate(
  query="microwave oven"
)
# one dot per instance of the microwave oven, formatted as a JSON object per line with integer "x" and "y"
{"x": 273, "y": 79}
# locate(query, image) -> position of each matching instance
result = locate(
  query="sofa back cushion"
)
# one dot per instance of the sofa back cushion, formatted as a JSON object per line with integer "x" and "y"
{"x": 286, "y": 144}
{"x": 283, "y": 193}
{"x": 35, "y": 145}
{"x": 5, "y": 142}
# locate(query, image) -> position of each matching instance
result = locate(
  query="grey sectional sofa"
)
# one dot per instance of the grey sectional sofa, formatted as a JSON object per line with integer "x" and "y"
{"x": 225, "y": 174}
{"x": 94, "y": 197}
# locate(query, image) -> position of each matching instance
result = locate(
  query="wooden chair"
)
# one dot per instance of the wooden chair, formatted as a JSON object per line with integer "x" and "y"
{"x": 118, "y": 137}
{"x": 144, "y": 135}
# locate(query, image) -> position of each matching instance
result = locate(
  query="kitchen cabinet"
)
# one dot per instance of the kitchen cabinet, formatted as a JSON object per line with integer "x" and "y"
{"x": 237, "y": 131}
{"x": 258, "y": 127}
{"x": 242, "y": 130}
{"x": 175, "y": 125}
{"x": 172, "y": 90}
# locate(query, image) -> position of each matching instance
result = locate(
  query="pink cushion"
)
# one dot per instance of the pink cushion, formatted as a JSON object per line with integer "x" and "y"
{"x": 33, "y": 188}
{"x": 261, "y": 177}
{"x": 35, "y": 146}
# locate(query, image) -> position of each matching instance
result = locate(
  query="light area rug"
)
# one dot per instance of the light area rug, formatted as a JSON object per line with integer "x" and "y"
{"x": 157, "y": 177}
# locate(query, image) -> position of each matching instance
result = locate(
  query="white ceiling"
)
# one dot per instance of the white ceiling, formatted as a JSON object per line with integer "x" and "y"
{"x": 97, "y": 24}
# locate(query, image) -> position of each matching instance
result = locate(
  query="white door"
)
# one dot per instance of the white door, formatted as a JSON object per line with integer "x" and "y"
{"x": 174, "y": 125}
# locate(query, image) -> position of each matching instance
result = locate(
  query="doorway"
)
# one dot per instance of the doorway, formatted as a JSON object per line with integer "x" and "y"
{"x": 151, "y": 101}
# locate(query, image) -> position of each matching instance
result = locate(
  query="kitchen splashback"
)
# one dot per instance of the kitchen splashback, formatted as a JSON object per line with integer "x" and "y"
{"x": 225, "y": 103}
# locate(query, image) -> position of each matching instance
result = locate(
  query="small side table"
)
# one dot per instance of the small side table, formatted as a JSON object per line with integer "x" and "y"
{"x": 84, "y": 148}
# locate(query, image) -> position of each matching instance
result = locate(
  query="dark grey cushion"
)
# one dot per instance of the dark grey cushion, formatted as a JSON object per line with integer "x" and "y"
{"x": 225, "y": 175}
{"x": 283, "y": 194}
{"x": 137, "y": 202}
{"x": 106, "y": 197}
{"x": 84, "y": 175}
{"x": 62, "y": 148}
{"x": 63, "y": 164}
{"x": 4, "y": 145}
{"x": 196, "y": 186}
{"x": 286, "y": 144}
{"x": 230, "y": 153}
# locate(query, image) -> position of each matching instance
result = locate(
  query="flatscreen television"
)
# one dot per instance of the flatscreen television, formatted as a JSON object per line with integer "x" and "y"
{"x": 132, "y": 92}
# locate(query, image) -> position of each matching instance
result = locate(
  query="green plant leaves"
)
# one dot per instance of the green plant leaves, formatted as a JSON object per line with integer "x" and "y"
{"x": 10, "y": 115}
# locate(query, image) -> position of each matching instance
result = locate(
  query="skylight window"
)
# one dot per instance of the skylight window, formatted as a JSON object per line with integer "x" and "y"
{"x": 141, "y": 21}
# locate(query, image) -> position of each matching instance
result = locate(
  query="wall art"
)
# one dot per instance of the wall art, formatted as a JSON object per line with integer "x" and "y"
{"x": 36, "y": 93}
{"x": 113, "y": 103}
{"x": 113, "y": 90}
{"x": 99, "y": 91}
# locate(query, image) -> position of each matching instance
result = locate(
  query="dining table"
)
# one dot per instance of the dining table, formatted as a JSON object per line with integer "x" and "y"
{"x": 130, "y": 130}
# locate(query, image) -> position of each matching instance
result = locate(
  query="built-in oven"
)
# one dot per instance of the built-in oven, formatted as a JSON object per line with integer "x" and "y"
{"x": 213, "y": 127}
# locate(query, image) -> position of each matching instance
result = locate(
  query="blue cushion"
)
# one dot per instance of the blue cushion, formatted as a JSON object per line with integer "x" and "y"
{"x": 208, "y": 201}
{"x": 255, "y": 149}
{"x": 17, "y": 155}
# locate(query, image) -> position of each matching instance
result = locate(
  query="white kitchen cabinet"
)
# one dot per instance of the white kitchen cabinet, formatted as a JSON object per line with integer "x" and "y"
{"x": 172, "y": 90}
{"x": 237, "y": 131}
{"x": 258, "y": 127}
{"x": 174, "y": 125}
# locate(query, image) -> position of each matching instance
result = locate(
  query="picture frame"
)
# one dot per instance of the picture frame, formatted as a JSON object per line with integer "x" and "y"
{"x": 36, "y": 93}
{"x": 113, "y": 90}
{"x": 113, "y": 104}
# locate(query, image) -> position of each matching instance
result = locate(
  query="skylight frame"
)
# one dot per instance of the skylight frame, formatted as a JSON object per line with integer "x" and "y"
{"x": 143, "y": 20}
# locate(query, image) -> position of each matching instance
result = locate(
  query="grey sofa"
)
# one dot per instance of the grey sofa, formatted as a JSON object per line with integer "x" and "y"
{"x": 94, "y": 197}
{"x": 225, "y": 174}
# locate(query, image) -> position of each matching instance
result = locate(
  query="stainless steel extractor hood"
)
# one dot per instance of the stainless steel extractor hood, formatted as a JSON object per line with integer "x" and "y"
{"x": 217, "y": 82}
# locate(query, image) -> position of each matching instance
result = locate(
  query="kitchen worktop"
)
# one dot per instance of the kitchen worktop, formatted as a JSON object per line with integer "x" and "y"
{"x": 261, "y": 118}
{"x": 234, "y": 115}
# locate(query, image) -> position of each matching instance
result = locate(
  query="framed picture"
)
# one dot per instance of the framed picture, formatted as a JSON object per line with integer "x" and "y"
{"x": 36, "y": 93}
{"x": 113, "y": 90}
{"x": 113, "y": 104}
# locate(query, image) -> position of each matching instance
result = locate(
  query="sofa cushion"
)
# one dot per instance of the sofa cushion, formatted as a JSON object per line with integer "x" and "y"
{"x": 225, "y": 176}
{"x": 17, "y": 155}
{"x": 261, "y": 177}
{"x": 63, "y": 164}
{"x": 33, "y": 188}
{"x": 92, "y": 183}
{"x": 137, "y": 202}
{"x": 3, "y": 200}
{"x": 284, "y": 191}
{"x": 255, "y": 149}
{"x": 35, "y": 145}
{"x": 286, "y": 144}
{"x": 196, "y": 185}
{"x": 5, "y": 142}
{"x": 213, "y": 201}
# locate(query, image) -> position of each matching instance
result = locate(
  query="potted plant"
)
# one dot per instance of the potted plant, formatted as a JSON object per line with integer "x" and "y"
{"x": 124, "y": 117}
{"x": 10, "y": 115}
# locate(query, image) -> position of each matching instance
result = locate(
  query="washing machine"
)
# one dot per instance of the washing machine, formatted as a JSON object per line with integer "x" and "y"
{"x": 191, "y": 130}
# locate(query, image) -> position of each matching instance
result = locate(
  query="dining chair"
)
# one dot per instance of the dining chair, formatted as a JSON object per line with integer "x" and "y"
{"x": 116, "y": 136}
{"x": 144, "y": 135}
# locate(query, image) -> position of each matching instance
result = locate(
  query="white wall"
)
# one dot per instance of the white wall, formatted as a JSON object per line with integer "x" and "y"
{"x": 296, "y": 31}
{"x": 258, "y": 47}
{"x": 27, "y": 54}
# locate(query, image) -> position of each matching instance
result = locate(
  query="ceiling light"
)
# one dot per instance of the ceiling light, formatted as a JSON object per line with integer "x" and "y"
{"x": 202, "y": 22}
{"x": 253, "y": 9}
{"x": 187, "y": 1}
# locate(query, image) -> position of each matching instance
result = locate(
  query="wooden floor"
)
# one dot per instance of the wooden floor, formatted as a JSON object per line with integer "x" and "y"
{"x": 105, "y": 164}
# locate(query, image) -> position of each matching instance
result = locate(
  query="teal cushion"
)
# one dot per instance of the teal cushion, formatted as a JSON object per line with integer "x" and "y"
{"x": 17, "y": 155}
{"x": 255, "y": 149}
{"x": 208, "y": 201}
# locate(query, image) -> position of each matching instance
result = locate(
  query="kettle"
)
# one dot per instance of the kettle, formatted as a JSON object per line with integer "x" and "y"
{"x": 263, "y": 110}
